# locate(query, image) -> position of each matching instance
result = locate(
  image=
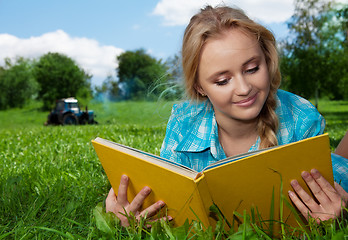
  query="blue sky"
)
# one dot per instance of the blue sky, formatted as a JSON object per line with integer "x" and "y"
{"x": 124, "y": 24}
{"x": 93, "y": 32}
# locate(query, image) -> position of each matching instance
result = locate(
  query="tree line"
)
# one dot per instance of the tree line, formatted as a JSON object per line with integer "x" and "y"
{"x": 314, "y": 63}
{"x": 51, "y": 77}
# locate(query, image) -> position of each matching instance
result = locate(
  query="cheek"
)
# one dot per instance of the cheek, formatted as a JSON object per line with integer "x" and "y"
{"x": 264, "y": 81}
{"x": 218, "y": 95}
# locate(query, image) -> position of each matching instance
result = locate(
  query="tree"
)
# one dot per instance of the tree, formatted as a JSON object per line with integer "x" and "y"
{"x": 108, "y": 90}
{"x": 342, "y": 17}
{"x": 17, "y": 83}
{"x": 310, "y": 60}
{"x": 140, "y": 75}
{"x": 59, "y": 77}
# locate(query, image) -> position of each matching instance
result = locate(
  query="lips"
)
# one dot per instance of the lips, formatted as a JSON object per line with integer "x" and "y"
{"x": 246, "y": 102}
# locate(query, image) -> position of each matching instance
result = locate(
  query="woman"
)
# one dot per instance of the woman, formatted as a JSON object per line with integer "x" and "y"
{"x": 232, "y": 76}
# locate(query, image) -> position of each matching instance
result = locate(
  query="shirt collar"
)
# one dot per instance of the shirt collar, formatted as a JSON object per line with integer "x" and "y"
{"x": 203, "y": 134}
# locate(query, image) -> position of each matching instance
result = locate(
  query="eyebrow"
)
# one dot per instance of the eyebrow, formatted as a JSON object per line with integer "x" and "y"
{"x": 212, "y": 77}
{"x": 253, "y": 58}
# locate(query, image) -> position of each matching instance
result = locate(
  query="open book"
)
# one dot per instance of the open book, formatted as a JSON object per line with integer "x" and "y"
{"x": 234, "y": 184}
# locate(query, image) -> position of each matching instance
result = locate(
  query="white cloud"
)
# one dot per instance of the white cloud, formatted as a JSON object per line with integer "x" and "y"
{"x": 136, "y": 27}
{"x": 179, "y": 12}
{"x": 88, "y": 53}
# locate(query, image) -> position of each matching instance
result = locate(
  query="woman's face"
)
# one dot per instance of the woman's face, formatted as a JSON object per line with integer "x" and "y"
{"x": 233, "y": 74}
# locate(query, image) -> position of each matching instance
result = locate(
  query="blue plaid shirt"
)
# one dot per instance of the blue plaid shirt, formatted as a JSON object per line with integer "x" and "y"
{"x": 192, "y": 132}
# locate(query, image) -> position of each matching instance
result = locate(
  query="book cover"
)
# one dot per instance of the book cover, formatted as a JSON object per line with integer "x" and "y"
{"x": 234, "y": 184}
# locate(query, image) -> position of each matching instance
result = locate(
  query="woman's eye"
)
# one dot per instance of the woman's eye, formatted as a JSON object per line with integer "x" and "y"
{"x": 222, "y": 82}
{"x": 252, "y": 70}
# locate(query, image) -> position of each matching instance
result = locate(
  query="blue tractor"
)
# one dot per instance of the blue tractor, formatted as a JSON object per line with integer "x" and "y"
{"x": 68, "y": 112}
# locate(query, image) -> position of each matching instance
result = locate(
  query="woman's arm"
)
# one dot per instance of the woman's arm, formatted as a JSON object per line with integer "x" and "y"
{"x": 342, "y": 148}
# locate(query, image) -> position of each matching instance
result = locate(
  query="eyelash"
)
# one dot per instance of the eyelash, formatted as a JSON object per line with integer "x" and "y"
{"x": 252, "y": 70}
{"x": 226, "y": 80}
{"x": 223, "y": 82}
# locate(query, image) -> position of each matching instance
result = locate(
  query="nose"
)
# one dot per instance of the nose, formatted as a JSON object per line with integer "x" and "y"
{"x": 242, "y": 86}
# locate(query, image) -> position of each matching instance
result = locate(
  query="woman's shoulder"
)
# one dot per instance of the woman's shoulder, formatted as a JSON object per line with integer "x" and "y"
{"x": 295, "y": 103}
{"x": 298, "y": 118}
{"x": 189, "y": 110}
{"x": 184, "y": 126}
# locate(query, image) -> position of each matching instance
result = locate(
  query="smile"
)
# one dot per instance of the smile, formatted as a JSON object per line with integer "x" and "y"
{"x": 246, "y": 102}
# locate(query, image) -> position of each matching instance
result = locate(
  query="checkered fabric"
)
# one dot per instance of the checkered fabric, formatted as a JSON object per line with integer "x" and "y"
{"x": 192, "y": 132}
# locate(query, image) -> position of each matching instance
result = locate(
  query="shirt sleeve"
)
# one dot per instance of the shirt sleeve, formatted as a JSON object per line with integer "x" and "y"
{"x": 171, "y": 139}
{"x": 340, "y": 170}
{"x": 174, "y": 135}
{"x": 298, "y": 118}
{"x": 310, "y": 125}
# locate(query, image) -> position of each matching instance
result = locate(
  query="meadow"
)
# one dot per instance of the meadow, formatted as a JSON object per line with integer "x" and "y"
{"x": 52, "y": 183}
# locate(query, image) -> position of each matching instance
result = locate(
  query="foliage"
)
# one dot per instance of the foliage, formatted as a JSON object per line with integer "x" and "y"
{"x": 17, "y": 83}
{"x": 314, "y": 62}
{"x": 109, "y": 90}
{"x": 60, "y": 77}
{"x": 140, "y": 75}
{"x": 109, "y": 226}
{"x": 51, "y": 180}
{"x": 342, "y": 16}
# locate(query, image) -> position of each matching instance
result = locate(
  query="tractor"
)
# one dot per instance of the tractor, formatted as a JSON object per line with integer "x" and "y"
{"x": 68, "y": 112}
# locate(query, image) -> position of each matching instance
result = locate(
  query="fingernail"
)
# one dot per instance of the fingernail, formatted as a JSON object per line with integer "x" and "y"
{"x": 305, "y": 174}
{"x": 161, "y": 203}
{"x": 147, "y": 190}
{"x": 294, "y": 183}
{"x": 291, "y": 194}
{"x": 314, "y": 171}
{"x": 125, "y": 177}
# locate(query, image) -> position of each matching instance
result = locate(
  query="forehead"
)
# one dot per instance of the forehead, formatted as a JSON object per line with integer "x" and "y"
{"x": 231, "y": 42}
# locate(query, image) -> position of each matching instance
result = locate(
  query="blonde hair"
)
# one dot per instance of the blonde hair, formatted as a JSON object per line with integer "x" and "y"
{"x": 212, "y": 22}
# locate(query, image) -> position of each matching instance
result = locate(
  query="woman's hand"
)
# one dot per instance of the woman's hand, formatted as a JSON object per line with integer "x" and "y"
{"x": 330, "y": 201}
{"x": 121, "y": 207}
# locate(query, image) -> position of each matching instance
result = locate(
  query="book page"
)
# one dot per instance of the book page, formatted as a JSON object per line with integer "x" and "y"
{"x": 234, "y": 158}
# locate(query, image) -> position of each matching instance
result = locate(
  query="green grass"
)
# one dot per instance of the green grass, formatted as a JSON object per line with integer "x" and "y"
{"x": 51, "y": 180}
{"x": 336, "y": 115}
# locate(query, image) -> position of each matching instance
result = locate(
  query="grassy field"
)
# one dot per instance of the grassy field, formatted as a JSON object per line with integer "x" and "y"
{"x": 51, "y": 179}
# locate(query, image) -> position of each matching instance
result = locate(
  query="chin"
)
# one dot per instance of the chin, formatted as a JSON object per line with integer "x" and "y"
{"x": 250, "y": 116}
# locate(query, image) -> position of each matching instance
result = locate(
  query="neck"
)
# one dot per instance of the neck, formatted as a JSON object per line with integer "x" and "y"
{"x": 237, "y": 128}
{"x": 236, "y": 136}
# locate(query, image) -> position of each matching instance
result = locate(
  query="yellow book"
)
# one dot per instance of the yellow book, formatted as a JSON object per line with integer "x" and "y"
{"x": 236, "y": 184}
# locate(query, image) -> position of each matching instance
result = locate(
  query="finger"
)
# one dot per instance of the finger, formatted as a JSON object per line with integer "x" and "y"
{"x": 326, "y": 192}
{"x": 122, "y": 191}
{"x": 342, "y": 193}
{"x": 138, "y": 201}
{"x": 299, "y": 204}
{"x": 152, "y": 210}
{"x": 315, "y": 188}
{"x": 111, "y": 196}
{"x": 304, "y": 196}
{"x": 110, "y": 202}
